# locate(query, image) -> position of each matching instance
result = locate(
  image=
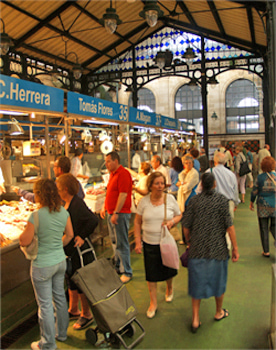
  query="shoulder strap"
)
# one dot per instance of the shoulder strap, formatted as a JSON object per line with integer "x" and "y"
{"x": 165, "y": 207}
{"x": 271, "y": 178}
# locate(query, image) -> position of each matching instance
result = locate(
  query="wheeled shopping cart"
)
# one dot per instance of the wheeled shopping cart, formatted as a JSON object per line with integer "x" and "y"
{"x": 111, "y": 304}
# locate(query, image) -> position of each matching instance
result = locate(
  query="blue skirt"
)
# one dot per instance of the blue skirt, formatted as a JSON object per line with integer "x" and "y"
{"x": 207, "y": 278}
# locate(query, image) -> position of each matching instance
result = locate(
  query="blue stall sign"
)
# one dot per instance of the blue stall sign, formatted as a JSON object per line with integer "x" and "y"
{"x": 140, "y": 117}
{"x": 169, "y": 123}
{"x": 94, "y": 107}
{"x": 23, "y": 93}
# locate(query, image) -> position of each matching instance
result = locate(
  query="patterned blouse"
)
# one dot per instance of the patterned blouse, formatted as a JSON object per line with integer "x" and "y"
{"x": 265, "y": 191}
{"x": 207, "y": 217}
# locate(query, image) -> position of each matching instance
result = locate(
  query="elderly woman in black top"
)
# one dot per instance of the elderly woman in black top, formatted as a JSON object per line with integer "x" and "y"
{"x": 205, "y": 221}
{"x": 84, "y": 223}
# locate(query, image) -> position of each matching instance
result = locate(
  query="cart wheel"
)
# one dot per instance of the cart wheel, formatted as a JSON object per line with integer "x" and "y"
{"x": 91, "y": 336}
{"x": 129, "y": 330}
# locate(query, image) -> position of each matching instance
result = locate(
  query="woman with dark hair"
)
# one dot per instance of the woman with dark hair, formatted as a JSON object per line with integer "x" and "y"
{"x": 175, "y": 170}
{"x": 150, "y": 218}
{"x": 265, "y": 192}
{"x": 195, "y": 153}
{"x": 205, "y": 221}
{"x": 76, "y": 165}
{"x": 240, "y": 158}
{"x": 48, "y": 269}
{"x": 84, "y": 223}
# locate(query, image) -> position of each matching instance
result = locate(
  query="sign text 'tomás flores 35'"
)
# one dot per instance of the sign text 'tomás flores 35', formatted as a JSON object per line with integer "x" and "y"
{"x": 94, "y": 107}
{"x": 22, "y": 93}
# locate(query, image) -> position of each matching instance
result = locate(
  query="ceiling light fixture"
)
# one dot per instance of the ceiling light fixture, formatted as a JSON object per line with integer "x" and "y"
{"x": 189, "y": 56}
{"x": 15, "y": 128}
{"x": 5, "y": 41}
{"x": 151, "y": 12}
{"x": 77, "y": 68}
{"x": 164, "y": 59}
{"x": 192, "y": 84}
{"x": 212, "y": 81}
{"x": 110, "y": 19}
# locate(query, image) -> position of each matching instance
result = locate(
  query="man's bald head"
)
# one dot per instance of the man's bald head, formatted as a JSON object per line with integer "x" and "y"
{"x": 219, "y": 158}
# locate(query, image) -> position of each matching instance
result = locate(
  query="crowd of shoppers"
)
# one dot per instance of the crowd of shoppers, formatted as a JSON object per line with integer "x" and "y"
{"x": 205, "y": 209}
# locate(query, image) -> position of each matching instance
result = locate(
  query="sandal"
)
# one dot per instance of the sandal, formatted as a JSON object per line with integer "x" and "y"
{"x": 82, "y": 323}
{"x": 225, "y": 314}
{"x": 73, "y": 316}
{"x": 266, "y": 255}
{"x": 195, "y": 329}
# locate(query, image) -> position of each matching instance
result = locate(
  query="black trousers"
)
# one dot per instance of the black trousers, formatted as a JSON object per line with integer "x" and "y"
{"x": 264, "y": 231}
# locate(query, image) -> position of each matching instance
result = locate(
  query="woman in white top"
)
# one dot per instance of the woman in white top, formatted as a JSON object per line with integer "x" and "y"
{"x": 150, "y": 218}
{"x": 140, "y": 188}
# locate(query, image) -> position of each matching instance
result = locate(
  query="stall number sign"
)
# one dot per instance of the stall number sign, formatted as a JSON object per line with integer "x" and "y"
{"x": 22, "y": 93}
{"x": 95, "y": 107}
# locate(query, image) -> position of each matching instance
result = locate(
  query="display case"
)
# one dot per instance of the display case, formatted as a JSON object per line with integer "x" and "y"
{"x": 27, "y": 170}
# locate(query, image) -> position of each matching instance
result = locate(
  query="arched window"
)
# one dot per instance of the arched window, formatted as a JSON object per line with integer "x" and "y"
{"x": 146, "y": 100}
{"x": 242, "y": 107}
{"x": 188, "y": 106}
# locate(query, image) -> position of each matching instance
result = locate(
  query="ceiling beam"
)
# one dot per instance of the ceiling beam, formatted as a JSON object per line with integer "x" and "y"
{"x": 258, "y": 5}
{"x": 45, "y": 23}
{"x": 216, "y": 17}
{"x": 142, "y": 27}
{"x": 251, "y": 25}
{"x": 187, "y": 13}
{"x": 94, "y": 18}
{"x": 211, "y": 34}
{"x": 41, "y": 23}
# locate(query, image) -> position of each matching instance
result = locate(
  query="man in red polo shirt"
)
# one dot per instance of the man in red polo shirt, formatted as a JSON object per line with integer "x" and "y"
{"x": 117, "y": 204}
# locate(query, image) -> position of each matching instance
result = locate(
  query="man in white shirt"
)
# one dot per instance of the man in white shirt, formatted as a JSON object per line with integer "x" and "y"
{"x": 228, "y": 157}
{"x": 264, "y": 152}
{"x": 157, "y": 166}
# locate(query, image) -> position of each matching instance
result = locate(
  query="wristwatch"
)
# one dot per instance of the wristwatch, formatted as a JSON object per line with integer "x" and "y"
{"x": 115, "y": 212}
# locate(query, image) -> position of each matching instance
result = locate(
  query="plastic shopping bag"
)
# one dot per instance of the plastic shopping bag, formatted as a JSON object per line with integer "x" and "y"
{"x": 169, "y": 250}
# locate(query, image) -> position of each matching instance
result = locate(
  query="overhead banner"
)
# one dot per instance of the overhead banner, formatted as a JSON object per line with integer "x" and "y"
{"x": 144, "y": 118}
{"x": 170, "y": 123}
{"x": 89, "y": 106}
{"x": 94, "y": 107}
{"x": 26, "y": 94}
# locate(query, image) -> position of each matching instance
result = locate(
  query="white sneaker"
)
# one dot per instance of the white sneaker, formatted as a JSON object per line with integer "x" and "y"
{"x": 35, "y": 345}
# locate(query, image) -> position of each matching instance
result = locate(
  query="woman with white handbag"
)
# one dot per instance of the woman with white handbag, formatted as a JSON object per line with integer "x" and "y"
{"x": 150, "y": 218}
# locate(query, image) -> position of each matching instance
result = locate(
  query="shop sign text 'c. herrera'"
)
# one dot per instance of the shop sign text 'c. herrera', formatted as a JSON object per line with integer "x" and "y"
{"x": 26, "y": 94}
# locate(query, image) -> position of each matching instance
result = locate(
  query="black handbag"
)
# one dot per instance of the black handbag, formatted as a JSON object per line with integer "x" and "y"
{"x": 244, "y": 168}
{"x": 69, "y": 266}
{"x": 185, "y": 258}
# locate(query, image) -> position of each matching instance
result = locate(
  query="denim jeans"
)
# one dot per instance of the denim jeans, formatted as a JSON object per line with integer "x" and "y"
{"x": 48, "y": 284}
{"x": 119, "y": 238}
